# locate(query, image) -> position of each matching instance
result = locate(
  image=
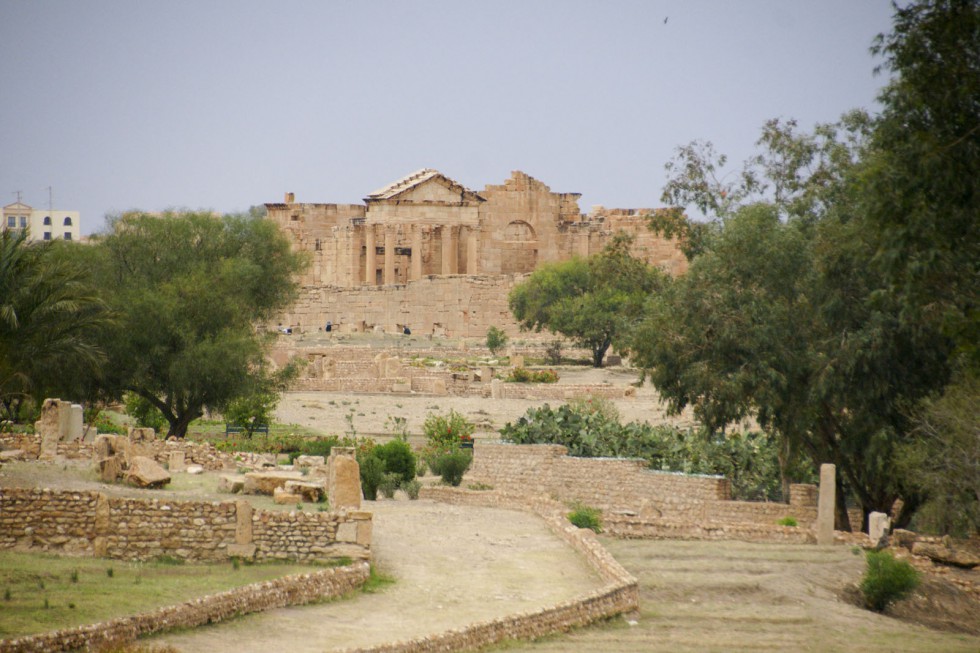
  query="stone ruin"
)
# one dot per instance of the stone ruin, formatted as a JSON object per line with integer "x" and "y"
{"x": 61, "y": 421}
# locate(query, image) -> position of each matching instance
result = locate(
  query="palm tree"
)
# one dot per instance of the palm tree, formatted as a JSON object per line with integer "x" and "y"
{"x": 50, "y": 317}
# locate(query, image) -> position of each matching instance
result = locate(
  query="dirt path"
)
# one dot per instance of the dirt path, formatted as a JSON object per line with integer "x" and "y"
{"x": 736, "y": 596}
{"x": 453, "y": 566}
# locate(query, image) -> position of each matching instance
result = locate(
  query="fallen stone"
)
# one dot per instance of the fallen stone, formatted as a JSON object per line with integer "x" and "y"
{"x": 111, "y": 468}
{"x": 281, "y": 497}
{"x": 947, "y": 555}
{"x": 146, "y": 473}
{"x": 309, "y": 461}
{"x": 229, "y": 483}
{"x": 268, "y": 482}
{"x": 195, "y": 469}
{"x": 903, "y": 538}
{"x": 313, "y": 492}
{"x": 12, "y": 454}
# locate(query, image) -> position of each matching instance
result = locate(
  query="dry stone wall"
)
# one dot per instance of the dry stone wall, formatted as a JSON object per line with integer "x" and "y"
{"x": 92, "y": 523}
{"x": 639, "y": 502}
{"x": 278, "y": 593}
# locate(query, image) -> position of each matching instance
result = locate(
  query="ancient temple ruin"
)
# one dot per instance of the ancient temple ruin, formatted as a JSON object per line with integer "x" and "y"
{"x": 428, "y": 252}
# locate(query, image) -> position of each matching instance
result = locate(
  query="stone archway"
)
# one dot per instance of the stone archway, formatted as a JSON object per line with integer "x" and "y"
{"x": 519, "y": 249}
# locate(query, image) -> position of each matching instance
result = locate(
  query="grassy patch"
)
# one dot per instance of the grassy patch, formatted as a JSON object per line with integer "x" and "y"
{"x": 377, "y": 581}
{"x": 47, "y": 592}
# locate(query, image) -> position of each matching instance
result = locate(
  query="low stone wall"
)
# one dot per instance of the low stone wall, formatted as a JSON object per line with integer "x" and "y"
{"x": 639, "y": 502}
{"x": 555, "y": 391}
{"x": 620, "y": 594}
{"x": 278, "y": 593}
{"x": 92, "y": 523}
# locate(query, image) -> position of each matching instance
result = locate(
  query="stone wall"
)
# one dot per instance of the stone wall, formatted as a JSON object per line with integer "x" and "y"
{"x": 639, "y": 502}
{"x": 93, "y": 523}
{"x": 278, "y": 593}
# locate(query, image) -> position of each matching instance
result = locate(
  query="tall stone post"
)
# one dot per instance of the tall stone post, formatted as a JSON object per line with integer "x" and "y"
{"x": 447, "y": 249}
{"x": 389, "y": 256}
{"x": 826, "y": 504}
{"x": 355, "y": 257}
{"x": 416, "y": 252}
{"x": 471, "y": 255}
{"x": 370, "y": 264}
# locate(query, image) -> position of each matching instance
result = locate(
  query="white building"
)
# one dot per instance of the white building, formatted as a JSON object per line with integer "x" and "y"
{"x": 43, "y": 224}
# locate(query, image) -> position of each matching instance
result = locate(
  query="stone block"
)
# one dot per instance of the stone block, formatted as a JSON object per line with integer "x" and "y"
{"x": 267, "y": 482}
{"x": 111, "y": 468}
{"x": 243, "y": 522}
{"x": 246, "y": 551}
{"x": 195, "y": 469}
{"x": 878, "y": 525}
{"x": 12, "y": 454}
{"x": 439, "y": 387}
{"x": 281, "y": 497}
{"x": 141, "y": 435}
{"x": 64, "y": 419}
{"x": 146, "y": 473}
{"x": 175, "y": 461}
{"x": 496, "y": 388}
{"x": 344, "y": 482}
{"x": 401, "y": 386}
{"x": 364, "y": 531}
{"x": 517, "y": 360}
{"x": 76, "y": 423}
{"x": 309, "y": 461}
{"x": 231, "y": 483}
{"x": 312, "y": 492}
{"x": 347, "y": 532}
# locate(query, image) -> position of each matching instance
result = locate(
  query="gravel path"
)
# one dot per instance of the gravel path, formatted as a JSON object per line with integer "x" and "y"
{"x": 453, "y": 565}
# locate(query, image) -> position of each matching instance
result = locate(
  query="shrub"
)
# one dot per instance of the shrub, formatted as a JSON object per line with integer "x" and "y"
{"x": 252, "y": 410}
{"x": 586, "y": 517}
{"x": 389, "y": 484}
{"x": 451, "y": 465}
{"x": 788, "y": 521}
{"x": 104, "y": 424}
{"x": 524, "y": 375}
{"x": 444, "y": 432}
{"x": 372, "y": 473}
{"x": 552, "y": 354}
{"x": 496, "y": 340}
{"x": 886, "y": 579}
{"x": 412, "y": 489}
{"x": 398, "y": 459}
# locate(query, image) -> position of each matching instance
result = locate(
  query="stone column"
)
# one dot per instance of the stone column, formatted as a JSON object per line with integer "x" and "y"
{"x": 826, "y": 504}
{"x": 447, "y": 249}
{"x": 370, "y": 264}
{"x": 416, "y": 252}
{"x": 389, "y": 256}
{"x": 471, "y": 255}
{"x": 583, "y": 244}
{"x": 355, "y": 257}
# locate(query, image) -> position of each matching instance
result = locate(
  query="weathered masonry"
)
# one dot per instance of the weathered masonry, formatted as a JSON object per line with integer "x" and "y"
{"x": 426, "y": 226}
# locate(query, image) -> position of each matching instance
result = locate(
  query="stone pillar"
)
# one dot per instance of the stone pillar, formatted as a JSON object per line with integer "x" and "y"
{"x": 100, "y": 544}
{"x": 355, "y": 257}
{"x": 176, "y": 461}
{"x": 389, "y": 256}
{"x": 447, "y": 250}
{"x": 416, "y": 253}
{"x": 343, "y": 479}
{"x": 582, "y": 242}
{"x": 76, "y": 425}
{"x": 471, "y": 253}
{"x": 370, "y": 264}
{"x": 64, "y": 419}
{"x": 826, "y": 504}
{"x": 878, "y": 525}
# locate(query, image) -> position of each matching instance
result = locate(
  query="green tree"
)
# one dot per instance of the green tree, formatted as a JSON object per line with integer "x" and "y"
{"x": 496, "y": 340}
{"x": 594, "y": 302}
{"x": 189, "y": 289}
{"x": 50, "y": 320}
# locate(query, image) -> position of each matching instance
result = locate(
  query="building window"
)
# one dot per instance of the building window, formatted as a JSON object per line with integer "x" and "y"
{"x": 47, "y": 220}
{"x": 11, "y": 221}
{"x": 67, "y": 235}
{"x": 47, "y": 235}
{"x": 67, "y": 222}
{"x": 23, "y": 222}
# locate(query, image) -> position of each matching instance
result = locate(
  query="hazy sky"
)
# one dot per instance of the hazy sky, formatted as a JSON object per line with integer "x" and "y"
{"x": 221, "y": 105}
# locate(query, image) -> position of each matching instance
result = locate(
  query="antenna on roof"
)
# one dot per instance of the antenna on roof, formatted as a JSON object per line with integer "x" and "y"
{"x": 18, "y": 193}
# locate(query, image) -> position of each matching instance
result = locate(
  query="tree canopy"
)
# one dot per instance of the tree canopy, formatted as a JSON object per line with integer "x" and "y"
{"x": 50, "y": 321}
{"x": 594, "y": 302}
{"x": 188, "y": 289}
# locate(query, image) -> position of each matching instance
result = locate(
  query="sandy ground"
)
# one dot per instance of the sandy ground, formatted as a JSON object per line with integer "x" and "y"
{"x": 329, "y": 412}
{"x": 452, "y": 565}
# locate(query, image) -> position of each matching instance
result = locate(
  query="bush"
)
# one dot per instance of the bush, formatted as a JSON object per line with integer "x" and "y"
{"x": 496, "y": 340}
{"x": 104, "y": 424}
{"x": 398, "y": 459}
{"x": 412, "y": 489}
{"x": 372, "y": 474}
{"x": 389, "y": 484}
{"x": 144, "y": 413}
{"x": 253, "y": 410}
{"x": 552, "y": 354}
{"x": 443, "y": 432}
{"x": 788, "y": 521}
{"x": 524, "y": 375}
{"x": 886, "y": 579}
{"x": 586, "y": 517}
{"x": 451, "y": 466}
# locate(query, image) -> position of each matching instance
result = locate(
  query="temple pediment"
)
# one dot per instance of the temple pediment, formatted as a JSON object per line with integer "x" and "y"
{"x": 425, "y": 185}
